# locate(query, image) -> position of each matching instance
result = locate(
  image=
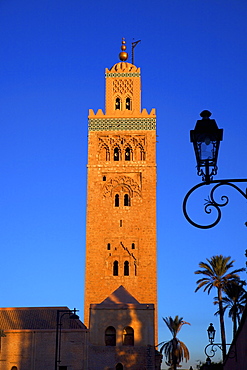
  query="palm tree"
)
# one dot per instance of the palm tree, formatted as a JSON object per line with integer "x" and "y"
{"x": 218, "y": 275}
{"x": 235, "y": 301}
{"x": 174, "y": 350}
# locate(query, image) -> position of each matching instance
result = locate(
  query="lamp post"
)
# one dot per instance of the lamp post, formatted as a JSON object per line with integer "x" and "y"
{"x": 211, "y": 348}
{"x": 60, "y": 314}
{"x": 206, "y": 138}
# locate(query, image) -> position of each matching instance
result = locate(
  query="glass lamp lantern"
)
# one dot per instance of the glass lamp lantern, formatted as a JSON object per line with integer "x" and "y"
{"x": 206, "y": 138}
{"x": 211, "y": 333}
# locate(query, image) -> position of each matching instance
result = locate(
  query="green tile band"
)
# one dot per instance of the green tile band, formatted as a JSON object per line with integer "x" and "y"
{"x": 121, "y": 124}
{"x": 123, "y": 74}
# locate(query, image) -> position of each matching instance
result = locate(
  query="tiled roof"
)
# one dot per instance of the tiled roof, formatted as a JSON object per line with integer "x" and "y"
{"x": 18, "y": 318}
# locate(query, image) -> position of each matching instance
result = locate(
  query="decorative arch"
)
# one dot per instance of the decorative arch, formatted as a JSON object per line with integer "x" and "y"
{"x": 121, "y": 183}
{"x": 140, "y": 153}
{"x": 110, "y": 336}
{"x": 119, "y": 366}
{"x": 128, "y": 336}
{"x": 104, "y": 153}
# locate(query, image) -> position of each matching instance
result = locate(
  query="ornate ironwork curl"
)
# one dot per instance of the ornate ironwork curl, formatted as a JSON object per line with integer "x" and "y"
{"x": 211, "y": 203}
{"x": 211, "y": 349}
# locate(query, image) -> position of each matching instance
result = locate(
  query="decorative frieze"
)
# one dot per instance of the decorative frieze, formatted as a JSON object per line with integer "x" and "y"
{"x": 121, "y": 124}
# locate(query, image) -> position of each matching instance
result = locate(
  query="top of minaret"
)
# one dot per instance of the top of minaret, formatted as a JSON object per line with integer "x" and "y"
{"x": 123, "y": 55}
{"x": 123, "y": 66}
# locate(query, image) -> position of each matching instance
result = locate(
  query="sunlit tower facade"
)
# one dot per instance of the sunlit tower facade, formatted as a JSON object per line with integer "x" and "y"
{"x": 121, "y": 193}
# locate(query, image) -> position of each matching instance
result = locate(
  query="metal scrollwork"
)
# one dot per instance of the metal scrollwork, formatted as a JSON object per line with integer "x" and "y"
{"x": 211, "y": 349}
{"x": 211, "y": 203}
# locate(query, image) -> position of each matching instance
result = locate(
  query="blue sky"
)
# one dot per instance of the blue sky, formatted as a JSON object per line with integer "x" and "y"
{"x": 53, "y": 55}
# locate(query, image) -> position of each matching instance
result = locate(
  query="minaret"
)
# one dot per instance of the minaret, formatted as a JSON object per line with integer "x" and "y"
{"x": 121, "y": 192}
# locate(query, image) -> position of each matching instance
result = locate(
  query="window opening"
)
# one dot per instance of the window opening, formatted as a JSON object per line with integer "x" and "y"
{"x": 116, "y": 154}
{"x": 117, "y": 200}
{"x": 104, "y": 178}
{"x": 121, "y": 223}
{"x": 133, "y": 245}
{"x": 128, "y": 104}
{"x": 128, "y": 336}
{"x": 119, "y": 367}
{"x": 108, "y": 246}
{"x": 118, "y": 104}
{"x": 127, "y": 154}
{"x": 115, "y": 268}
{"x": 110, "y": 336}
{"x": 126, "y": 200}
{"x": 63, "y": 368}
{"x": 126, "y": 268}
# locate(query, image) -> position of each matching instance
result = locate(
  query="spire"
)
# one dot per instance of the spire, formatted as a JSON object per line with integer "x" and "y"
{"x": 123, "y": 55}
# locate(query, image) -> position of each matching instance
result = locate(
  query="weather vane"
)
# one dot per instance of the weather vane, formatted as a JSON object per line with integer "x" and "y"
{"x": 134, "y": 43}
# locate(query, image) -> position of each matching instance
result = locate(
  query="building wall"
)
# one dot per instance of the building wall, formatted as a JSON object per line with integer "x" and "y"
{"x": 140, "y": 355}
{"x": 237, "y": 354}
{"x": 35, "y": 349}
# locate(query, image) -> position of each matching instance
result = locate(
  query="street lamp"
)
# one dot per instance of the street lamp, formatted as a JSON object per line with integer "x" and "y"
{"x": 210, "y": 349}
{"x": 206, "y": 138}
{"x": 60, "y": 314}
{"x": 211, "y": 333}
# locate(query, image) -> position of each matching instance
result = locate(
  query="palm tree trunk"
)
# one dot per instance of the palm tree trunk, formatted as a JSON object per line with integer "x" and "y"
{"x": 222, "y": 324}
{"x": 234, "y": 320}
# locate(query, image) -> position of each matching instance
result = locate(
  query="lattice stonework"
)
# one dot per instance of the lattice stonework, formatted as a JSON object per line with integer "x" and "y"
{"x": 123, "y": 87}
{"x": 121, "y": 124}
{"x": 123, "y": 74}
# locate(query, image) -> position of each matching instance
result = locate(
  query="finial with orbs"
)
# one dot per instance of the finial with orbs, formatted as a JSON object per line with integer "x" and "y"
{"x": 123, "y": 56}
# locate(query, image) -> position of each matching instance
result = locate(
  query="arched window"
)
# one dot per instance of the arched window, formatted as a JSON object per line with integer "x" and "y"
{"x": 110, "y": 336}
{"x": 115, "y": 268}
{"x": 128, "y": 336}
{"x": 128, "y": 104}
{"x": 127, "y": 154}
{"x": 116, "y": 154}
{"x": 104, "y": 178}
{"x": 117, "y": 200}
{"x": 14, "y": 368}
{"x": 126, "y": 200}
{"x": 126, "y": 268}
{"x": 133, "y": 245}
{"x": 119, "y": 366}
{"x": 118, "y": 104}
{"x": 108, "y": 246}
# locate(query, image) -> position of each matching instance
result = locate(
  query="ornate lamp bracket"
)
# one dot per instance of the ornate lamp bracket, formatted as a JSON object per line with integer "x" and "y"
{"x": 211, "y": 349}
{"x": 211, "y": 203}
